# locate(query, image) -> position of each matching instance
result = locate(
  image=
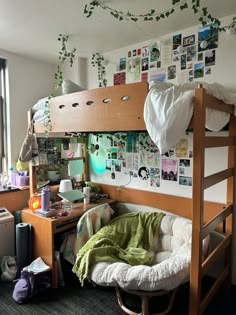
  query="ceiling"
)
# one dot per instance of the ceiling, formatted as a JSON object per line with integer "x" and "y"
{"x": 31, "y": 27}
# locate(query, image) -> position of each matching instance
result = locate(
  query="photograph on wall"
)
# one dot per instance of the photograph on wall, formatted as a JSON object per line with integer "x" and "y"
{"x": 122, "y": 63}
{"x": 154, "y": 177}
{"x": 119, "y": 78}
{"x": 117, "y": 166}
{"x": 210, "y": 58}
{"x": 191, "y": 53}
{"x": 166, "y": 55}
{"x": 145, "y": 64}
{"x": 144, "y": 77}
{"x": 171, "y": 72}
{"x": 181, "y": 148}
{"x": 200, "y": 56}
{"x": 169, "y": 169}
{"x": 177, "y": 41}
{"x": 129, "y": 54}
{"x": 133, "y": 70}
{"x": 183, "y": 62}
{"x": 159, "y": 64}
{"x": 155, "y": 52}
{"x": 184, "y": 162}
{"x": 198, "y": 70}
{"x": 158, "y": 75}
{"x": 190, "y": 76}
{"x": 189, "y": 40}
{"x": 185, "y": 180}
{"x": 145, "y": 51}
{"x": 134, "y": 53}
{"x": 208, "y": 70}
{"x": 209, "y": 36}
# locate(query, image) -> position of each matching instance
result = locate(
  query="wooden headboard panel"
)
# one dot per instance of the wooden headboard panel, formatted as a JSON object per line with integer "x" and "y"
{"x": 114, "y": 108}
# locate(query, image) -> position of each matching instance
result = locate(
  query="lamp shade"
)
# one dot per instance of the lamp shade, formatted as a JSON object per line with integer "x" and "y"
{"x": 65, "y": 185}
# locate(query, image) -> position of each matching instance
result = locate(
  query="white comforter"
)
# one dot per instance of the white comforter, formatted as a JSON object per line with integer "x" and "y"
{"x": 168, "y": 110}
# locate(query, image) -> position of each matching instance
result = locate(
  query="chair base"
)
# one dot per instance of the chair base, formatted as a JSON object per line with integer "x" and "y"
{"x": 145, "y": 296}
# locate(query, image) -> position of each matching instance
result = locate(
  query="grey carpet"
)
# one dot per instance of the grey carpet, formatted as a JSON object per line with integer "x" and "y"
{"x": 73, "y": 299}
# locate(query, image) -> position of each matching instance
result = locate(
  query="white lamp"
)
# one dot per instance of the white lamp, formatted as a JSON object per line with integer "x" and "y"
{"x": 65, "y": 185}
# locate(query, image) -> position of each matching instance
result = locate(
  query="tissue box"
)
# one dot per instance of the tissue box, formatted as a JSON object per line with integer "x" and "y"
{"x": 19, "y": 180}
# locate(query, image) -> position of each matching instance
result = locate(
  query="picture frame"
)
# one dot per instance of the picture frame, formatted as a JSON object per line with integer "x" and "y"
{"x": 189, "y": 40}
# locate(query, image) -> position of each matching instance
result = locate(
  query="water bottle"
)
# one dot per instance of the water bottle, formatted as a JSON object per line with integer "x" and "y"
{"x": 45, "y": 199}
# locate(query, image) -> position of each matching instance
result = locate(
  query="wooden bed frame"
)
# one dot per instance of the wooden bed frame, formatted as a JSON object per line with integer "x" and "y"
{"x": 120, "y": 108}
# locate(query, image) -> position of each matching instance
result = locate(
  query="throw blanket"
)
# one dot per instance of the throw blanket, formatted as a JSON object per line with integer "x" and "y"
{"x": 128, "y": 238}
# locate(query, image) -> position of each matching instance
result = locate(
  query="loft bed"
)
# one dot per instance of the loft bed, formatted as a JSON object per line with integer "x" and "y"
{"x": 120, "y": 108}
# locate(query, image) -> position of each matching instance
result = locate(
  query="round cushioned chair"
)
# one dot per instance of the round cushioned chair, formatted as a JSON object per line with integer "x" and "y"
{"x": 170, "y": 267}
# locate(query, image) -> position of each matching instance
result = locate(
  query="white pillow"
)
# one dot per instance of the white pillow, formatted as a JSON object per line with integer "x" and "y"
{"x": 70, "y": 87}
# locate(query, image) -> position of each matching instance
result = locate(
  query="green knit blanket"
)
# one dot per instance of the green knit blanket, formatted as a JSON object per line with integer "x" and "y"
{"x": 127, "y": 238}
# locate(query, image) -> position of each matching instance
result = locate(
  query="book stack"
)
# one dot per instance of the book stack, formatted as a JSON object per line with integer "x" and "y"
{"x": 45, "y": 213}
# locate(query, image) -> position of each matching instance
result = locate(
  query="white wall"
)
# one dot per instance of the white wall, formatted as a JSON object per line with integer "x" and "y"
{"x": 223, "y": 72}
{"x": 29, "y": 81}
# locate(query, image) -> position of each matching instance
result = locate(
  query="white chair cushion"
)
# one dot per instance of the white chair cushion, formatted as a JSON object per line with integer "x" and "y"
{"x": 171, "y": 261}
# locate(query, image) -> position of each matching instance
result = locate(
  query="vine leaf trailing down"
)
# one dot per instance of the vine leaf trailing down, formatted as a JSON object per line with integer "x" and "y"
{"x": 99, "y": 61}
{"x": 63, "y": 56}
{"x": 204, "y": 16}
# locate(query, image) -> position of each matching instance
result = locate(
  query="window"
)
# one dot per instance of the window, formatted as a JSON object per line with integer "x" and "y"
{"x": 3, "y": 118}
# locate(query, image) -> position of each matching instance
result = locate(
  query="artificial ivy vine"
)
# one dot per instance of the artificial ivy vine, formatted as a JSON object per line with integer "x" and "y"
{"x": 63, "y": 56}
{"x": 204, "y": 16}
{"x": 99, "y": 61}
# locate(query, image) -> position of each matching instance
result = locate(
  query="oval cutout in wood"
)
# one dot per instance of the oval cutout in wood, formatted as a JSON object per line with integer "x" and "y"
{"x": 61, "y": 106}
{"x": 125, "y": 98}
{"x": 75, "y": 104}
{"x": 89, "y": 102}
{"x": 107, "y": 100}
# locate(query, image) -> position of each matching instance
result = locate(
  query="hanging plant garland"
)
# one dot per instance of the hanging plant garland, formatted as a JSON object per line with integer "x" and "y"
{"x": 204, "y": 16}
{"x": 63, "y": 56}
{"x": 99, "y": 62}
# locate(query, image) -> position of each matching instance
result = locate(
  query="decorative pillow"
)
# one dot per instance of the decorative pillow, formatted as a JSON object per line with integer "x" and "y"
{"x": 70, "y": 87}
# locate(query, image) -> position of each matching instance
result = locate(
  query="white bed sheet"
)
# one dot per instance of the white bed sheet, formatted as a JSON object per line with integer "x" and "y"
{"x": 168, "y": 110}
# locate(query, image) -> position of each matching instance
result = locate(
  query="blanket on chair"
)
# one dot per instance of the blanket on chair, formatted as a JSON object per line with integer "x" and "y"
{"x": 128, "y": 238}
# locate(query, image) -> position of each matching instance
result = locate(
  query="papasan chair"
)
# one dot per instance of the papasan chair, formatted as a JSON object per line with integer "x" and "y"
{"x": 145, "y": 254}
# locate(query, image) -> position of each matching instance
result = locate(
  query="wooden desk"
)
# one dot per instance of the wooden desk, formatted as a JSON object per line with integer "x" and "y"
{"x": 44, "y": 229}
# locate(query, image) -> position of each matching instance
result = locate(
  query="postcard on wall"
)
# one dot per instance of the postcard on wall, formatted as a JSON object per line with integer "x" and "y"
{"x": 191, "y": 53}
{"x": 119, "y": 78}
{"x": 210, "y": 58}
{"x": 189, "y": 40}
{"x": 169, "y": 169}
{"x": 166, "y": 55}
{"x": 155, "y": 52}
{"x": 177, "y": 41}
{"x": 133, "y": 70}
{"x": 171, "y": 72}
{"x": 181, "y": 148}
{"x": 145, "y": 51}
{"x": 158, "y": 75}
{"x": 208, "y": 34}
{"x": 198, "y": 70}
{"x": 145, "y": 64}
{"x": 144, "y": 77}
{"x": 122, "y": 63}
{"x": 154, "y": 177}
{"x": 185, "y": 180}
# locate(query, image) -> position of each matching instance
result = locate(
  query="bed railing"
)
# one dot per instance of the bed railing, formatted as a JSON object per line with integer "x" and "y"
{"x": 200, "y": 183}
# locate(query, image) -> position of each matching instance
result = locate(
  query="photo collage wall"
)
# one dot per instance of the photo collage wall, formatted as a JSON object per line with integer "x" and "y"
{"x": 181, "y": 58}
{"x": 134, "y": 154}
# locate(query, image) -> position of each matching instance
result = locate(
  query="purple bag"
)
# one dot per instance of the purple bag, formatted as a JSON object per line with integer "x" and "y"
{"x": 30, "y": 284}
{"x": 24, "y": 289}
